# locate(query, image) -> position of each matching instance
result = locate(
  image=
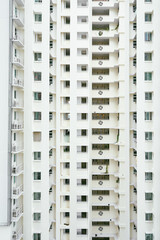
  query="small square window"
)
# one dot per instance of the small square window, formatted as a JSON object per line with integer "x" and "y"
{"x": 37, "y": 155}
{"x": 38, "y": 17}
{"x": 149, "y": 196}
{"x": 149, "y": 216}
{"x": 36, "y": 136}
{"x": 148, "y": 155}
{"x": 83, "y": 68}
{"x": 149, "y": 236}
{"x": 83, "y": 84}
{"x": 148, "y": 176}
{"x": 37, "y": 96}
{"x": 148, "y": 17}
{"x": 66, "y": 198}
{"x": 37, "y": 175}
{"x": 36, "y": 236}
{"x": 148, "y": 36}
{"x": 83, "y": 100}
{"x": 37, "y": 196}
{"x": 67, "y": 68}
{"x": 38, "y": 37}
{"x": 37, "y": 57}
{"x": 67, "y": 52}
{"x": 148, "y": 96}
{"x": 38, "y": 1}
{"x": 67, "y": 36}
{"x": 148, "y": 116}
{"x": 37, "y": 76}
{"x": 36, "y": 216}
{"x": 37, "y": 116}
{"x": 148, "y": 136}
{"x": 148, "y": 56}
{"x": 84, "y": 116}
{"x": 148, "y": 76}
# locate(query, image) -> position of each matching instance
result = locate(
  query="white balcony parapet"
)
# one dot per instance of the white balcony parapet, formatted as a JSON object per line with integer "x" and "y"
{"x": 17, "y": 190}
{"x": 17, "y": 125}
{"x": 17, "y": 235}
{"x": 17, "y": 212}
{"x": 18, "y": 19}
{"x": 17, "y": 148}
{"x": 18, "y": 82}
{"x": 18, "y": 61}
{"x": 17, "y": 104}
{"x": 17, "y": 38}
{"x": 17, "y": 169}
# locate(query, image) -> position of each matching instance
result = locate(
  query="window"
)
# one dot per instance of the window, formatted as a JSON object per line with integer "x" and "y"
{"x": 148, "y": 56}
{"x": 83, "y": 68}
{"x": 83, "y": 100}
{"x": 83, "y": 132}
{"x": 148, "y": 76}
{"x": 66, "y": 214}
{"x": 37, "y": 115}
{"x": 149, "y": 216}
{"x": 67, "y": 4}
{"x": 83, "y": 84}
{"x": 81, "y": 231}
{"x": 82, "y": 198}
{"x": 36, "y": 236}
{"x": 37, "y": 196}
{"x": 97, "y": 101}
{"x": 67, "y": 36}
{"x": 38, "y": 17}
{"x": 66, "y": 181}
{"x": 37, "y": 96}
{"x": 38, "y": 37}
{"x": 148, "y": 136}
{"x": 67, "y": 20}
{"x": 14, "y": 136}
{"x": 37, "y": 57}
{"x": 81, "y": 215}
{"x": 37, "y": 155}
{"x": 101, "y": 131}
{"x": 67, "y": 68}
{"x": 148, "y": 1}
{"x": 148, "y": 155}
{"x": 148, "y": 176}
{"x": 37, "y": 175}
{"x": 66, "y": 231}
{"x": 83, "y": 116}
{"x": 100, "y": 146}
{"x": 50, "y": 116}
{"x": 81, "y": 182}
{"x": 37, "y": 136}
{"x": 81, "y": 165}
{"x": 66, "y": 149}
{"x": 66, "y": 165}
{"x": 149, "y": 236}
{"x": 148, "y": 17}
{"x": 37, "y": 76}
{"x": 148, "y": 116}
{"x": 67, "y": 52}
{"x": 148, "y": 96}
{"x": 36, "y": 216}
{"x": 38, "y": 1}
{"x": 149, "y": 196}
{"x": 83, "y": 52}
{"x": 148, "y": 36}
{"x": 67, "y": 84}
{"x": 66, "y": 198}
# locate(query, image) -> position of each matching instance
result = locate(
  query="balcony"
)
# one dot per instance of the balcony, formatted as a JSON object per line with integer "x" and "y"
{"x": 17, "y": 149}
{"x": 113, "y": 33}
{"x": 17, "y": 235}
{"x": 17, "y": 213}
{"x": 18, "y": 18}
{"x": 107, "y": 19}
{"x": 105, "y": 3}
{"x": 17, "y": 169}
{"x": 20, "y": 3}
{"x": 18, "y": 83}
{"x": 17, "y": 191}
{"x": 18, "y": 62}
{"x": 18, "y": 40}
{"x": 17, "y": 126}
{"x": 18, "y": 105}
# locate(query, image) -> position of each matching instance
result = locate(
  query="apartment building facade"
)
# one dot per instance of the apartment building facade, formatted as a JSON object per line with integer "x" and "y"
{"x": 80, "y": 120}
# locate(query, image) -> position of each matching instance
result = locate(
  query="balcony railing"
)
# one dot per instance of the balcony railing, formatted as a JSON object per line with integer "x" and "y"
{"x": 18, "y": 82}
{"x": 17, "y": 169}
{"x": 17, "y": 148}
{"x": 18, "y": 190}
{"x": 17, "y": 37}
{"x": 17, "y": 126}
{"x": 17, "y": 212}
{"x": 18, "y": 61}
{"x": 17, "y": 104}
{"x": 18, "y": 18}
{"x": 17, "y": 234}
